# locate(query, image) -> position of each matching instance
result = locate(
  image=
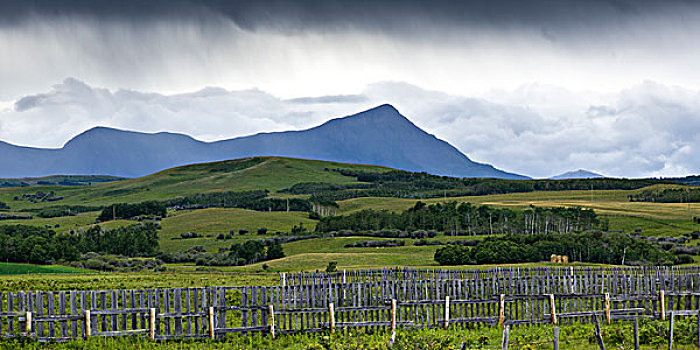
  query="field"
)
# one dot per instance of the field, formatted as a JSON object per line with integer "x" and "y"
{"x": 23, "y": 269}
{"x": 271, "y": 173}
{"x": 274, "y": 174}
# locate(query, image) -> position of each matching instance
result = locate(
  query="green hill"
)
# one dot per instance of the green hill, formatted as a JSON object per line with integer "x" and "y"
{"x": 277, "y": 173}
{"x": 258, "y": 173}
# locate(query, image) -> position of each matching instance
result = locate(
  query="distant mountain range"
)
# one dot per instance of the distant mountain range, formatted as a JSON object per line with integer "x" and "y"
{"x": 379, "y": 136}
{"x": 577, "y": 174}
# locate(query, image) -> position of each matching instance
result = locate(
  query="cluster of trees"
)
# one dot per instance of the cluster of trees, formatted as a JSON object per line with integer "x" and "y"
{"x": 39, "y": 245}
{"x": 238, "y": 254}
{"x": 386, "y": 233}
{"x": 592, "y": 246}
{"x": 4, "y": 206}
{"x": 40, "y": 196}
{"x": 376, "y": 244}
{"x": 667, "y": 195}
{"x": 15, "y": 217}
{"x": 134, "y": 240}
{"x": 95, "y": 261}
{"x": 465, "y": 219}
{"x": 128, "y": 211}
{"x": 62, "y": 210}
{"x": 253, "y": 200}
{"x": 403, "y": 184}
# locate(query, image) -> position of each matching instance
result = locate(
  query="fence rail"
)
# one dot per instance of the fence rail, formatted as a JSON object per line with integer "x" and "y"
{"x": 214, "y": 311}
{"x": 513, "y": 280}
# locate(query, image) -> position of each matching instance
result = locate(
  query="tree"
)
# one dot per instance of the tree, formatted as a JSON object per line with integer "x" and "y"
{"x": 275, "y": 251}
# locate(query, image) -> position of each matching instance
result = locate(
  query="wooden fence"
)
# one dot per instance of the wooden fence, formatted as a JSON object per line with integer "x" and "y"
{"x": 525, "y": 280}
{"x": 214, "y": 311}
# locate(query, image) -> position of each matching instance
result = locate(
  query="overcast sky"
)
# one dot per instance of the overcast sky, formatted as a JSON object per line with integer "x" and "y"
{"x": 534, "y": 87}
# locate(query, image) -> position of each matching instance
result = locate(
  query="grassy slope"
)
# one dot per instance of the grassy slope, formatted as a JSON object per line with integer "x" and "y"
{"x": 22, "y": 269}
{"x": 276, "y": 173}
{"x": 271, "y": 173}
{"x": 214, "y": 221}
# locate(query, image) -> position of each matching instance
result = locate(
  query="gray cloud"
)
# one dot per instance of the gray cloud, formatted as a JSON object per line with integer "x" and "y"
{"x": 321, "y": 47}
{"x": 649, "y": 129}
{"x": 329, "y": 99}
{"x": 325, "y": 14}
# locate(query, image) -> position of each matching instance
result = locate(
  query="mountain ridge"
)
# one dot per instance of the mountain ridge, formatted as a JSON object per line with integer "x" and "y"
{"x": 378, "y": 136}
{"x": 577, "y": 174}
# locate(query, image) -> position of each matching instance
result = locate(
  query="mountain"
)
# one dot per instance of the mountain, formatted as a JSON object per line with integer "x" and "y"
{"x": 577, "y": 174}
{"x": 379, "y": 136}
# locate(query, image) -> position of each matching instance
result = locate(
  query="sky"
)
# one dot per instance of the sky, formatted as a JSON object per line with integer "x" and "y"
{"x": 533, "y": 87}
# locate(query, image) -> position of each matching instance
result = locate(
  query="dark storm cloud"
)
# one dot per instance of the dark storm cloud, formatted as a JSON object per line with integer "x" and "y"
{"x": 391, "y": 15}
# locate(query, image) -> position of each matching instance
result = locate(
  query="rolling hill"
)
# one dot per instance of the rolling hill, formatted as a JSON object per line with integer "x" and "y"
{"x": 257, "y": 173}
{"x": 379, "y": 136}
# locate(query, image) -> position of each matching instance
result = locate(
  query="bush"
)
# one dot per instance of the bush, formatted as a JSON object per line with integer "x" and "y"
{"x": 332, "y": 267}
{"x": 684, "y": 259}
{"x": 594, "y": 247}
{"x": 375, "y": 244}
{"x": 262, "y": 231}
{"x": 188, "y": 235}
{"x": 453, "y": 255}
{"x": 128, "y": 211}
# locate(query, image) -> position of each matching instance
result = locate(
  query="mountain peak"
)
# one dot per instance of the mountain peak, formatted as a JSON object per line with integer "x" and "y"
{"x": 378, "y": 136}
{"x": 577, "y": 174}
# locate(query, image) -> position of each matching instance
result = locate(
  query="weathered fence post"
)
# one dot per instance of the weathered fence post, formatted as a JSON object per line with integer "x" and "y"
{"x": 28, "y": 327}
{"x": 211, "y": 322}
{"x": 607, "y": 308}
{"x": 393, "y": 315}
{"x": 553, "y": 308}
{"x": 152, "y": 323}
{"x": 698, "y": 328}
{"x": 501, "y": 309}
{"x": 88, "y": 324}
{"x": 636, "y": 334}
{"x": 662, "y": 303}
{"x": 331, "y": 311}
{"x": 447, "y": 312}
{"x": 284, "y": 278}
{"x": 271, "y": 321}
{"x": 504, "y": 341}
{"x": 556, "y": 338}
{"x": 598, "y": 335}
{"x": 670, "y": 333}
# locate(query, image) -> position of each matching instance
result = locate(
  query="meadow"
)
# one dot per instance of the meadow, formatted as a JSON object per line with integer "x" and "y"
{"x": 275, "y": 174}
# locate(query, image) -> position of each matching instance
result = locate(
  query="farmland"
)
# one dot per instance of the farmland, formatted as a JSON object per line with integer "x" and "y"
{"x": 276, "y": 174}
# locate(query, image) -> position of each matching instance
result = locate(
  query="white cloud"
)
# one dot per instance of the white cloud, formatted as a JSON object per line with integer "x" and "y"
{"x": 647, "y": 130}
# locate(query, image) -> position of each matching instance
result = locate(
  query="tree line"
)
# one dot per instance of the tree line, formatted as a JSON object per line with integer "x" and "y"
{"x": 32, "y": 244}
{"x": 248, "y": 252}
{"x": 253, "y": 200}
{"x": 404, "y": 184}
{"x": 465, "y": 219}
{"x": 129, "y": 210}
{"x": 667, "y": 195}
{"x": 593, "y": 246}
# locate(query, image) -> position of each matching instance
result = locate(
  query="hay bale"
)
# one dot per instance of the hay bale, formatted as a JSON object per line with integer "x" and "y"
{"x": 565, "y": 259}
{"x": 553, "y": 258}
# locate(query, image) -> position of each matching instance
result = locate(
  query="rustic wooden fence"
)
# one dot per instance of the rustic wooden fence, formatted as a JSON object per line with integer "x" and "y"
{"x": 214, "y": 311}
{"x": 526, "y": 280}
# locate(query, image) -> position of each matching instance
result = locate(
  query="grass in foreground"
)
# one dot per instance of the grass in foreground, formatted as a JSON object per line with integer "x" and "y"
{"x": 616, "y": 336}
{"x": 132, "y": 280}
